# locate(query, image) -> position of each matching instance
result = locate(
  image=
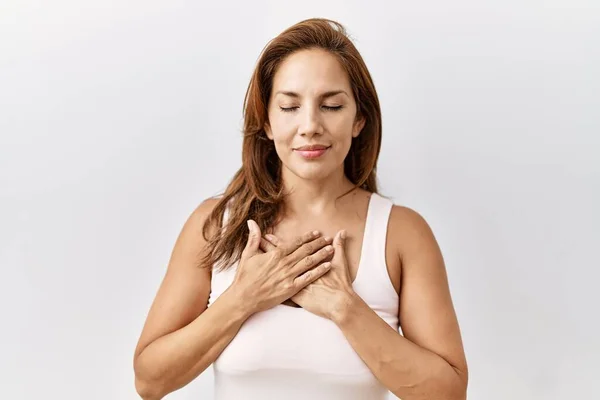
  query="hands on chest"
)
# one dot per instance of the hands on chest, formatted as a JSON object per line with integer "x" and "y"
{"x": 310, "y": 270}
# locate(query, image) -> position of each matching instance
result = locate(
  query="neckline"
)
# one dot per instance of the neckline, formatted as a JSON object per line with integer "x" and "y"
{"x": 368, "y": 218}
{"x": 364, "y": 237}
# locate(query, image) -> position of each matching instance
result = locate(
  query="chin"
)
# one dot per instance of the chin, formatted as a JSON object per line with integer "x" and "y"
{"x": 312, "y": 172}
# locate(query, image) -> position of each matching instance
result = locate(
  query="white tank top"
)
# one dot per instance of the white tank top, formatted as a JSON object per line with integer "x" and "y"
{"x": 289, "y": 353}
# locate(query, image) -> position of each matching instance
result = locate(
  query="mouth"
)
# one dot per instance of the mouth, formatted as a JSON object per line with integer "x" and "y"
{"x": 312, "y": 152}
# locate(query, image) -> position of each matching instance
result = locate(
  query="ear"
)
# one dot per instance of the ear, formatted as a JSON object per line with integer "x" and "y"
{"x": 359, "y": 124}
{"x": 267, "y": 129}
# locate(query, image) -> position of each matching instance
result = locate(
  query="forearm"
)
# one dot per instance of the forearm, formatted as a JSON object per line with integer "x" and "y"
{"x": 174, "y": 360}
{"x": 409, "y": 371}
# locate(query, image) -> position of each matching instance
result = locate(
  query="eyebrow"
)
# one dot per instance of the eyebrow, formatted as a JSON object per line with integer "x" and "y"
{"x": 325, "y": 95}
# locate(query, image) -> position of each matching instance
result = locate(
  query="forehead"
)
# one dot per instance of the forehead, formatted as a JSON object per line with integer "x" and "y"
{"x": 309, "y": 72}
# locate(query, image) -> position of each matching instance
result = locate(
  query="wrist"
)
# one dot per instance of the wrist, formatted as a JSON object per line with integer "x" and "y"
{"x": 345, "y": 304}
{"x": 238, "y": 302}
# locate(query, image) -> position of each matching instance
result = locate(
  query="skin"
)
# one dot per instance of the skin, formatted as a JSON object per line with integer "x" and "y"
{"x": 428, "y": 361}
{"x": 300, "y": 114}
{"x": 182, "y": 337}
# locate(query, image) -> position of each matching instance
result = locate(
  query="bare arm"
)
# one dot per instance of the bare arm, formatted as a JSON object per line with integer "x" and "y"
{"x": 428, "y": 362}
{"x": 174, "y": 360}
{"x": 181, "y": 336}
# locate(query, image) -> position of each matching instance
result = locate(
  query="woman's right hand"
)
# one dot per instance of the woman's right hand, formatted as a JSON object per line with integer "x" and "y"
{"x": 266, "y": 279}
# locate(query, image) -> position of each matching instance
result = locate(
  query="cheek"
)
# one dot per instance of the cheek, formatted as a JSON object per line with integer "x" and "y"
{"x": 343, "y": 147}
{"x": 283, "y": 145}
{"x": 281, "y": 140}
{"x": 281, "y": 134}
{"x": 342, "y": 134}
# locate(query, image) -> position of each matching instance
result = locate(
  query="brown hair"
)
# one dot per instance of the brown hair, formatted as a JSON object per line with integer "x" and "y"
{"x": 255, "y": 192}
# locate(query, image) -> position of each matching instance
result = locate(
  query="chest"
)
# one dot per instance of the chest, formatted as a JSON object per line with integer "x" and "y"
{"x": 354, "y": 227}
{"x": 356, "y": 248}
{"x": 291, "y": 339}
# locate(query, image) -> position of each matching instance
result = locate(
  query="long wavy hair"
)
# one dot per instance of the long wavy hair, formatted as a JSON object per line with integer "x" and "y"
{"x": 256, "y": 191}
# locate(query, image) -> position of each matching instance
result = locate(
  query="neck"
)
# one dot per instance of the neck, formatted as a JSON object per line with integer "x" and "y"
{"x": 314, "y": 197}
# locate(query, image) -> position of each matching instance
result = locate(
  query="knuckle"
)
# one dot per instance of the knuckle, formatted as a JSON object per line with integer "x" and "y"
{"x": 309, "y": 249}
{"x": 308, "y": 261}
{"x": 298, "y": 241}
{"x": 273, "y": 257}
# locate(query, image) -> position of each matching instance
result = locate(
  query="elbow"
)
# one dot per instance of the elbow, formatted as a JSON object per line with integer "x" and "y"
{"x": 461, "y": 384}
{"x": 461, "y": 392}
{"x": 147, "y": 384}
{"x": 452, "y": 382}
{"x": 147, "y": 390}
{"x": 455, "y": 390}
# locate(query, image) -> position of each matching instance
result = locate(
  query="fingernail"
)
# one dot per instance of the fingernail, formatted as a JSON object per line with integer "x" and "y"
{"x": 343, "y": 234}
{"x": 315, "y": 233}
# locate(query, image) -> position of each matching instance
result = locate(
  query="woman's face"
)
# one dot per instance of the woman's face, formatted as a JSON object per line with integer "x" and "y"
{"x": 312, "y": 104}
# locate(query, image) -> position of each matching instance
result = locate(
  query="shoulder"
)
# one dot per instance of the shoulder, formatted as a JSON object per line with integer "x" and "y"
{"x": 202, "y": 212}
{"x": 191, "y": 240}
{"x": 205, "y": 208}
{"x": 409, "y": 233}
{"x": 405, "y": 219}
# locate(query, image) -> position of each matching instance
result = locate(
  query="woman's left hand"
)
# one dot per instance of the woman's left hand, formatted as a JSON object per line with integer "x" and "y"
{"x": 327, "y": 295}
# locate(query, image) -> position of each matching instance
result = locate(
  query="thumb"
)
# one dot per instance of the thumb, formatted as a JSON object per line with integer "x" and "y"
{"x": 339, "y": 242}
{"x": 254, "y": 236}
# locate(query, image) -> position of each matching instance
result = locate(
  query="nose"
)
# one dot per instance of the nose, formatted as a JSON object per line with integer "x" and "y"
{"x": 311, "y": 123}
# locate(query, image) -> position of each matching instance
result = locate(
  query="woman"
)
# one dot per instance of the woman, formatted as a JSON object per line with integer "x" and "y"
{"x": 306, "y": 272}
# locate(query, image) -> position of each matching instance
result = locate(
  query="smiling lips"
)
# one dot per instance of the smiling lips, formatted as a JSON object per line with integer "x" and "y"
{"x": 312, "y": 151}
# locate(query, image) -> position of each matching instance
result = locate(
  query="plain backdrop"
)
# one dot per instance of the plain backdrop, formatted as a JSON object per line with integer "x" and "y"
{"x": 117, "y": 118}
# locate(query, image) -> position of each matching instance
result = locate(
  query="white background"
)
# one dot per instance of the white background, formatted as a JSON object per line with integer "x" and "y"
{"x": 117, "y": 118}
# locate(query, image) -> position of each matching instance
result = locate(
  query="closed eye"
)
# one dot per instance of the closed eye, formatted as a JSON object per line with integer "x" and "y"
{"x": 327, "y": 108}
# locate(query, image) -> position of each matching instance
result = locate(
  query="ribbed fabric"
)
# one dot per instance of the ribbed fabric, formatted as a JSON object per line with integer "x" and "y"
{"x": 289, "y": 353}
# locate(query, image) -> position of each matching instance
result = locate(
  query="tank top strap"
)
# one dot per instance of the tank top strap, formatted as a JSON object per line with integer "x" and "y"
{"x": 378, "y": 218}
{"x": 225, "y": 215}
{"x": 227, "y": 211}
{"x": 372, "y": 272}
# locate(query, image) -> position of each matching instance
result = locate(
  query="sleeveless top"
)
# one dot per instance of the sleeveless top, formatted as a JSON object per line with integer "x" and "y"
{"x": 289, "y": 353}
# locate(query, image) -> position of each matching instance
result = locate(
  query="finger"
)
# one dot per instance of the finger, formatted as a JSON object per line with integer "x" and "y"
{"x": 273, "y": 239}
{"x": 339, "y": 242}
{"x": 311, "y": 260}
{"x": 309, "y": 277}
{"x": 299, "y": 241}
{"x": 307, "y": 249}
{"x": 266, "y": 245}
{"x": 253, "y": 243}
